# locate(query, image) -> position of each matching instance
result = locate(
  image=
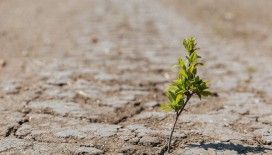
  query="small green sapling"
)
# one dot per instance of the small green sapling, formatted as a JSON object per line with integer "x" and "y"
{"x": 187, "y": 84}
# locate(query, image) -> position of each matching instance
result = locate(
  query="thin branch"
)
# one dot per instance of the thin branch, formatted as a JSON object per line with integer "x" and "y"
{"x": 185, "y": 103}
{"x": 177, "y": 116}
{"x": 172, "y": 131}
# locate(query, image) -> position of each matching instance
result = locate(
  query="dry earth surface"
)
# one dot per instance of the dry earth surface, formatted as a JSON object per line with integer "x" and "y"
{"x": 86, "y": 77}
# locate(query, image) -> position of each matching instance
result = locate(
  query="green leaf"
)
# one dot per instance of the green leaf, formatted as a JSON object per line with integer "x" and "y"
{"x": 166, "y": 107}
{"x": 192, "y": 69}
{"x": 179, "y": 98}
{"x": 206, "y": 93}
{"x": 181, "y": 63}
{"x": 193, "y": 57}
{"x": 182, "y": 73}
{"x": 171, "y": 96}
{"x": 175, "y": 106}
{"x": 189, "y": 44}
{"x": 199, "y": 64}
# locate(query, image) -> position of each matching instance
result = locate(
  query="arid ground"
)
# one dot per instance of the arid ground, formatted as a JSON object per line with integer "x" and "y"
{"x": 87, "y": 76}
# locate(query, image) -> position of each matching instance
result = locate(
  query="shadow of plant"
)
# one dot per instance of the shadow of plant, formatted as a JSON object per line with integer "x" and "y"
{"x": 240, "y": 149}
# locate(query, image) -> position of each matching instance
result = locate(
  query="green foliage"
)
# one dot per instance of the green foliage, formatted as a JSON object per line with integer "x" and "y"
{"x": 188, "y": 82}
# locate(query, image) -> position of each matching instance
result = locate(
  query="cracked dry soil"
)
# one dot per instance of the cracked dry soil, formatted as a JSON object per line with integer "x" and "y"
{"x": 86, "y": 77}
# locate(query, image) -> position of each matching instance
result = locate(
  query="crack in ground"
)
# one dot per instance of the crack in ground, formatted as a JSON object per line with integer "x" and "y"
{"x": 124, "y": 118}
{"x": 12, "y": 130}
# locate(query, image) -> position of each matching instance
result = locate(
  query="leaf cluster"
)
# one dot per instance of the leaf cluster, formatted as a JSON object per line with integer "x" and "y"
{"x": 188, "y": 82}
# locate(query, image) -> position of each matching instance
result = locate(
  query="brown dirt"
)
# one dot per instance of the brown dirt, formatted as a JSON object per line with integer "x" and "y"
{"x": 87, "y": 76}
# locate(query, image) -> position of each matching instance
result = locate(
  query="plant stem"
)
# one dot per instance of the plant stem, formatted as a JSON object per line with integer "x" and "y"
{"x": 171, "y": 135}
{"x": 177, "y": 116}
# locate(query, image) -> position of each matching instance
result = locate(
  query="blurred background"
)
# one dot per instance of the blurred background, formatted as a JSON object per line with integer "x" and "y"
{"x": 247, "y": 21}
{"x": 42, "y": 23}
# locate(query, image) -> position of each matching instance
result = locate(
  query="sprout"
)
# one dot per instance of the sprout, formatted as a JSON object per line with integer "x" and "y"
{"x": 187, "y": 84}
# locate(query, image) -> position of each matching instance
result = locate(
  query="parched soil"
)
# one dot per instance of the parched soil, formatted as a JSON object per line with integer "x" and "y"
{"x": 87, "y": 77}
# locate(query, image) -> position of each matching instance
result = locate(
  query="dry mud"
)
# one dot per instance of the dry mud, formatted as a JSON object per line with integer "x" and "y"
{"x": 86, "y": 77}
